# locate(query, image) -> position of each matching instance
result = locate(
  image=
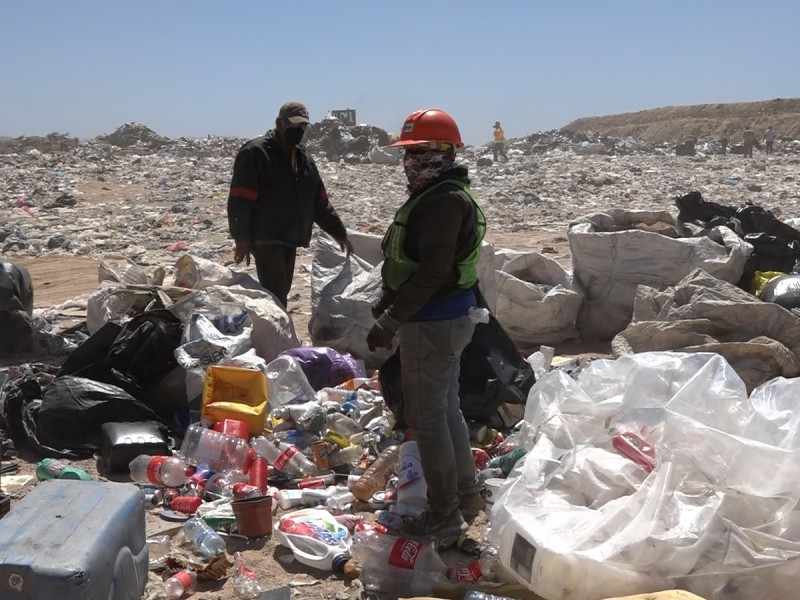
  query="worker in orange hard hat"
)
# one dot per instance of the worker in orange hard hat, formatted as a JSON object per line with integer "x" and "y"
{"x": 430, "y": 277}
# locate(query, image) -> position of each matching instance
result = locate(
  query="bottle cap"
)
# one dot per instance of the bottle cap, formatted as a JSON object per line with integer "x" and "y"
{"x": 339, "y": 563}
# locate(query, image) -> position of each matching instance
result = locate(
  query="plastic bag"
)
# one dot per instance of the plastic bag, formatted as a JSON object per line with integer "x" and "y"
{"x": 325, "y": 367}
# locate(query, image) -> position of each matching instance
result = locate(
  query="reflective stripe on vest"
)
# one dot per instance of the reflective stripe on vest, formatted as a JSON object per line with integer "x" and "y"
{"x": 398, "y": 267}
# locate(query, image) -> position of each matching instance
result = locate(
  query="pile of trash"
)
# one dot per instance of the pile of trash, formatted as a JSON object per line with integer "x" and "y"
{"x": 134, "y": 134}
{"x": 194, "y": 386}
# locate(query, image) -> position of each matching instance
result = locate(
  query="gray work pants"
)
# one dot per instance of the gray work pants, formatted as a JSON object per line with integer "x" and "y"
{"x": 431, "y": 353}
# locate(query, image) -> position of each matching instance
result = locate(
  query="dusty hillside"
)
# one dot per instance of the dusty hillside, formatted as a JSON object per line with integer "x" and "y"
{"x": 675, "y": 123}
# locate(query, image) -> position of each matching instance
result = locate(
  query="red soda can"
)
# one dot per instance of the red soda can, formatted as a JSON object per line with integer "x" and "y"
{"x": 168, "y": 496}
{"x": 186, "y": 504}
{"x": 481, "y": 459}
{"x": 251, "y": 454}
{"x": 319, "y": 481}
{"x": 259, "y": 473}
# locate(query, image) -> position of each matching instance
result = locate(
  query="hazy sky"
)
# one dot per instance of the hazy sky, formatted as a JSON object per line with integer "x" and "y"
{"x": 190, "y": 68}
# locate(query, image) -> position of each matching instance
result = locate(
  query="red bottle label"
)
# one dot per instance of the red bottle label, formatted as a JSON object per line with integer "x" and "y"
{"x": 285, "y": 457}
{"x": 186, "y": 579}
{"x": 154, "y": 469}
{"x": 470, "y": 574}
{"x": 243, "y": 490}
{"x": 404, "y": 553}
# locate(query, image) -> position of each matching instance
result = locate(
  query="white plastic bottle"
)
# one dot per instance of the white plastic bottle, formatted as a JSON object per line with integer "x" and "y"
{"x": 401, "y": 566}
{"x": 284, "y": 458}
{"x": 315, "y": 538}
{"x": 412, "y": 489}
{"x": 204, "y": 539}
{"x": 180, "y": 584}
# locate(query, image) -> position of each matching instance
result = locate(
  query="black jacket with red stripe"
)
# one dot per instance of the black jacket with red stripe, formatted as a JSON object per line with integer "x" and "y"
{"x": 268, "y": 202}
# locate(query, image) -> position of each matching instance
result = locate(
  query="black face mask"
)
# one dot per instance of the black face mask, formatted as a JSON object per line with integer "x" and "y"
{"x": 293, "y": 135}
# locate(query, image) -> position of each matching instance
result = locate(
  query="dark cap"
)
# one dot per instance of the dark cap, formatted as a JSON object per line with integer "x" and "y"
{"x": 497, "y": 123}
{"x": 294, "y": 112}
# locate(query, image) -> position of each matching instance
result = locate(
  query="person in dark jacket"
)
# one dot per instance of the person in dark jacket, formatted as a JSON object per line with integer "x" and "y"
{"x": 429, "y": 276}
{"x": 276, "y": 196}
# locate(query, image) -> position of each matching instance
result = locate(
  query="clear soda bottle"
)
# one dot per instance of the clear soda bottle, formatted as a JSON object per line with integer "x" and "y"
{"x": 374, "y": 478}
{"x": 284, "y": 458}
{"x": 398, "y": 565}
{"x": 169, "y": 471}
{"x": 204, "y": 539}
{"x": 180, "y": 584}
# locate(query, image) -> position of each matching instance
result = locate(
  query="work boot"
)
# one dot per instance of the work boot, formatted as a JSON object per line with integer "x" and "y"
{"x": 444, "y": 530}
{"x": 471, "y": 506}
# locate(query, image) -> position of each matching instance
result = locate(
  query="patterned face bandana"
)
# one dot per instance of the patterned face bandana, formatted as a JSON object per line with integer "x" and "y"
{"x": 423, "y": 165}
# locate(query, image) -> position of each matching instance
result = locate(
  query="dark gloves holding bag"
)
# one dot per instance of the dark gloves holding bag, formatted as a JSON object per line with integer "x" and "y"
{"x": 379, "y": 337}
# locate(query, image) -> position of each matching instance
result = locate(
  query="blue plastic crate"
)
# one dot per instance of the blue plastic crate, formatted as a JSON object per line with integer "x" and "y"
{"x": 75, "y": 540}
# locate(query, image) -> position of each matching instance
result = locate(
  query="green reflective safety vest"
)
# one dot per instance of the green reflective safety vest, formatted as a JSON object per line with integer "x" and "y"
{"x": 398, "y": 267}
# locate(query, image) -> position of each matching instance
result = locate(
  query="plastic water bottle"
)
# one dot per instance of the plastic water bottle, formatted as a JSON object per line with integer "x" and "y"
{"x": 399, "y": 565}
{"x": 180, "y": 584}
{"x": 374, "y": 478}
{"x": 204, "y": 539}
{"x": 284, "y": 458}
{"x": 245, "y": 580}
{"x": 343, "y": 425}
{"x": 351, "y": 454}
{"x": 169, "y": 471}
{"x": 287, "y": 383}
{"x": 50, "y": 468}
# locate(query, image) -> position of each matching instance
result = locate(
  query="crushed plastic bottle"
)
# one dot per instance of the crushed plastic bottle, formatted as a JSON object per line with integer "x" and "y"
{"x": 245, "y": 581}
{"x": 51, "y": 468}
{"x": 287, "y": 383}
{"x": 284, "y": 458}
{"x": 180, "y": 584}
{"x": 401, "y": 566}
{"x": 158, "y": 548}
{"x": 218, "y": 451}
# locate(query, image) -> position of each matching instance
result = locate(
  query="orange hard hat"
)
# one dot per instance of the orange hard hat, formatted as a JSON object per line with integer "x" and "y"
{"x": 429, "y": 126}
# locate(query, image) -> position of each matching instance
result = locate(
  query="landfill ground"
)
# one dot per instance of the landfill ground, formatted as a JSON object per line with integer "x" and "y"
{"x": 567, "y": 185}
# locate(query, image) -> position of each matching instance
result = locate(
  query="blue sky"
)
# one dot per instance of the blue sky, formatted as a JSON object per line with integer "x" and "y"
{"x": 197, "y": 67}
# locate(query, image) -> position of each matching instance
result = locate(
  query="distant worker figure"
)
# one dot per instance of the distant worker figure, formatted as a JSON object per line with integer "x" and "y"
{"x": 499, "y": 147}
{"x": 723, "y": 142}
{"x": 769, "y": 139}
{"x": 275, "y": 198}
{"x": 749, "y": 140}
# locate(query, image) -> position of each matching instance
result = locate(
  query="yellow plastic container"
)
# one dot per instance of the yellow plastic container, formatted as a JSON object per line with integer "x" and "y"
{"x": 236, "y": 393}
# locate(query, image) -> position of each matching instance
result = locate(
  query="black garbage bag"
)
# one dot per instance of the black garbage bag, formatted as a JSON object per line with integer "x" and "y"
{"x": 770, "y": 253}
{"x": 692, "y": 208}
{"x": 67, "y": 421}
{"x": 492, "y": 373}
{"x": 783, "y": 290}
{"x": 134, "y": 357}
{"x": 14, "y": 396}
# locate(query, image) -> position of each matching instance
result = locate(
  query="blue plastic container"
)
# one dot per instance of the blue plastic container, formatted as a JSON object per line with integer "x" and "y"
{"x": 75, "y": 540}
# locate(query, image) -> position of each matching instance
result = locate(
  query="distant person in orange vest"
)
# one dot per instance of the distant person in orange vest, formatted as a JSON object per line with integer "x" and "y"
{"x": 769, "y": 139}
{"x": 749, "y": 140}
{"x": 499, "y": 142}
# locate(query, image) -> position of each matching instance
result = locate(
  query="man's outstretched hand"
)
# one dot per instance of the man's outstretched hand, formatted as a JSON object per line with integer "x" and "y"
{"x": 242, "y": 251}
{"x": 346, "y": 245}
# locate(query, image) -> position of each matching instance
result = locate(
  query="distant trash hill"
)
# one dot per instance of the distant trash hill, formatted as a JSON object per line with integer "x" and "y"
{"x": 676, "y": 123}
